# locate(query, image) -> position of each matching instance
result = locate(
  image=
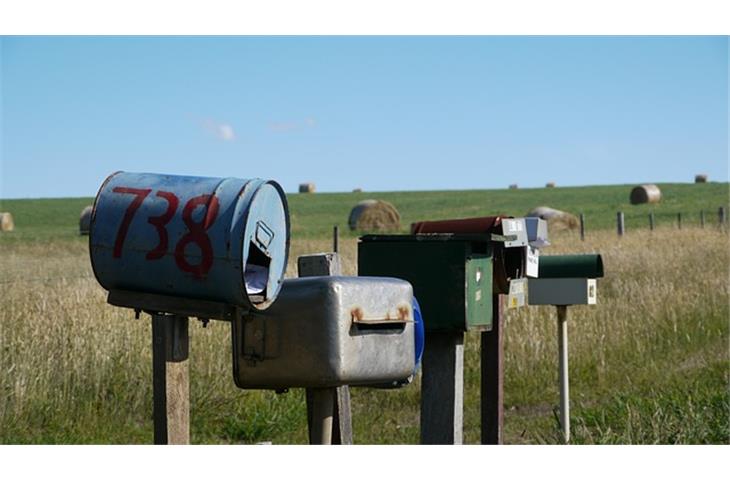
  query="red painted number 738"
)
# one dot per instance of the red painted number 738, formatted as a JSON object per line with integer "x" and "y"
{"x": 196, "y": 230}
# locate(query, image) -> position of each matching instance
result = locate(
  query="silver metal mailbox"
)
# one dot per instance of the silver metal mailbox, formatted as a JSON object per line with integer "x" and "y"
{"x": 537, "y": 232}
{"x": 327, "y": 332}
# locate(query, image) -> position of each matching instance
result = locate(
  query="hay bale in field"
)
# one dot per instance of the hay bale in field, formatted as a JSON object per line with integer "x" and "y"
{"x": 550, "y": 185}
{"x": 374, "y": 216}
{"x": 6, "y": 222}
{"x": 85, "y": 220}
{"x": 306, "y": 188}
{"x": 514, "y": 186}
{"x": 700, "y": 178}
{"x": 556, "y": 219}
{"x": 648, "y": 193}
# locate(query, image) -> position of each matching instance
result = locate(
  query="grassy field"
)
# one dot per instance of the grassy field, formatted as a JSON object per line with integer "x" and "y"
{"x": 313, "y": 216}
{"x": 649, "y": 364}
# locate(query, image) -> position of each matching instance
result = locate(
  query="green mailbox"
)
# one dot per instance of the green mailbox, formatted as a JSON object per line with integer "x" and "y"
{"x": 451, "y": 275}
{"x": 566, "y": 280}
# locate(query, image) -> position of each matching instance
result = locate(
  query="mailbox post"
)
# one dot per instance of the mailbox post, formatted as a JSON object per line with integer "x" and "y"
{"x": 326, "y": 264}
{"x": 458, "y": 269}
{"x": 565, "y": 280}
{"x": 179, "y": 247}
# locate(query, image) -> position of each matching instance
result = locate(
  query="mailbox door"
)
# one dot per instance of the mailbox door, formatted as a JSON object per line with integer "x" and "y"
{"x": 479, "y": 292}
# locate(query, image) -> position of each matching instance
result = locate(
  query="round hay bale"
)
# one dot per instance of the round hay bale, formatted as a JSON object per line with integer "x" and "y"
{"x": 648, "y": 193}
{"x": 85, "y": 220}
{"x": 514, "y": 186}
{"x": 700, "y": 178}
{"x": 556, "y": 219}
{"x": 550, "y": 185}
{"x": 306, "y": 188}
{"x": 374, "y": 216}
{"x": 6, "y": 222}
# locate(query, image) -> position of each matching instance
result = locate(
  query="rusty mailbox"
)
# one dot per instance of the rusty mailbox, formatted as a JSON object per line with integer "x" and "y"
{"x": 327, "y": 332}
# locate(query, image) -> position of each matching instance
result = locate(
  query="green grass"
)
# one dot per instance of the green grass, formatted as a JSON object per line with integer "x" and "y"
{"x": 314, "y": 215}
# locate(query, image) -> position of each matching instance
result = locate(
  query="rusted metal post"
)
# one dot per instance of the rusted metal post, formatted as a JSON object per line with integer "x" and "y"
{"x": 442, "y": 389}
{"x": 492, "y": 377}
{"x": 170, "y": 380}
{"x": 582, "y": 227}
{"x": 651, "y": 221}
{"x": 563, "y": 371}
{"x": 620, "y": 223}
{"x": 340, "y": 422}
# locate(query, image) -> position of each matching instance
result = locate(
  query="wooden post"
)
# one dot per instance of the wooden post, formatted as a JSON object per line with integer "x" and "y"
{"x": 492, "y": 377}
{"x": 679, "y": 221}
{"x": 442, "y": 389}
{"x": 651, "y": 221}
{"x": 563, "y": 371}
{"x": 721, "y": 218}
{"x": 702, "y": 219}
{"x": 582, "y": 227}
{"x": 620, "y": 223}
{"x": 336, "y": 239}
{"x": 170, "y": 380}
{"x": 340, "y": 421}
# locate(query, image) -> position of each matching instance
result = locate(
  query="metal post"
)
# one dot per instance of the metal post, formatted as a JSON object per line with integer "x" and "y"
{"x": 620, "y": 223}
{"x": 492, "y": 377}
{"x": 563, "y": 371}
{"x": 679, "y": 221}
{"x": 721, "y": 218}
{"x": 336, "y": 239}
{"x": 702, "y": 219}
{"x": 170, "y": 380}
{"x": 582, "y": 227}
{"x": 651, "y": 221}
{"x": 442, "y": 389}
{"x": 327, "y": 264}
{"x": 323, "y": 402}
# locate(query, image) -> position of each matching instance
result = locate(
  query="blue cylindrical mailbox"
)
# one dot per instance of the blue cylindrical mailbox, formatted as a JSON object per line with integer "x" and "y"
{"x": 218, "y": 239}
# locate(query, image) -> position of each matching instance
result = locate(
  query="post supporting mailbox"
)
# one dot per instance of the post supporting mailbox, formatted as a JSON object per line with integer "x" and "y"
{"x": 323, "y": 402}
{"x": 170, "y": 379}
{"x": 565, "y": 280}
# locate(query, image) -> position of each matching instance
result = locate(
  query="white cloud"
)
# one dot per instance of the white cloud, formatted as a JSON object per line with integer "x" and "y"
{"x": 225, "y": 132}
{"x": 221, "y": 131}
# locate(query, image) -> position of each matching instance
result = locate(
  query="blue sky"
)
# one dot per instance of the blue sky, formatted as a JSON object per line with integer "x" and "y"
{"x": 380, "y": 113}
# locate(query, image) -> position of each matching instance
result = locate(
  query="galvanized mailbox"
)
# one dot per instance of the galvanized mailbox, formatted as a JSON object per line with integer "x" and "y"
{"x": 219, "y": 239}
{"x": 566, "y": 280}
{"x": 328, "y": 332}
{"x": 451, "y": 275}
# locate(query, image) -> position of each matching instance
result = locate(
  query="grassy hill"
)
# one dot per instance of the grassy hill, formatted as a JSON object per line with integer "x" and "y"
{"x": 313, "y": 215}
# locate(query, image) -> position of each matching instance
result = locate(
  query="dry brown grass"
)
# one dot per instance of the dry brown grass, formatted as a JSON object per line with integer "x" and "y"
{"x": 75, "y": 369}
